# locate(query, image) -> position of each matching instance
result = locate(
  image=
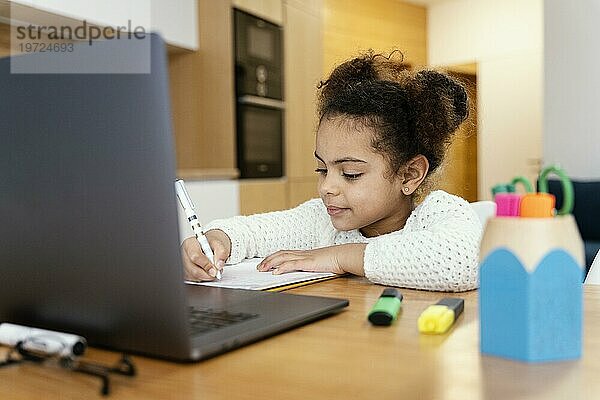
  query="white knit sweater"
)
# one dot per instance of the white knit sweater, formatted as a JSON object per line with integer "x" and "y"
{"x": 436, "y": 250}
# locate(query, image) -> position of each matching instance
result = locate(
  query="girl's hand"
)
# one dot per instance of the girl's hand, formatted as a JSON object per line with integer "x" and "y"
{"x": 196, "y": 265}
{"x": 327, "y": 259}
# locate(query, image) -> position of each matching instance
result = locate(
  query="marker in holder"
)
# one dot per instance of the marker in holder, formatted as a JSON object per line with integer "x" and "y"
{"x": 537, "y": 205}
{"x": 502, "y": 188}
{"x": 508, "y": 203}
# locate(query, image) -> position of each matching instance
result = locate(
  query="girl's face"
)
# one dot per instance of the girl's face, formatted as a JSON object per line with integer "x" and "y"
{"x": 354, "y": 180}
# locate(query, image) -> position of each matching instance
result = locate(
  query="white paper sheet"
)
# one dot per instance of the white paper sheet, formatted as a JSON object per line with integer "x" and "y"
{"x": 245, "y": 276}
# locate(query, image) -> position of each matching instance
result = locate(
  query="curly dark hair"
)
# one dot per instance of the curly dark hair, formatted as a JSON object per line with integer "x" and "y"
{"x": 411, "y": 112}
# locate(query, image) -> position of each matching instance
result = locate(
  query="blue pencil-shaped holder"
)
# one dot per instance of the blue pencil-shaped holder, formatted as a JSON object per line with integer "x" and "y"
{"x": 530, "y": 296}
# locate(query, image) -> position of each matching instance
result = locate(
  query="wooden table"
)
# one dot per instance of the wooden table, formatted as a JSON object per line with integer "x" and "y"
{"x": 342, "y": 357}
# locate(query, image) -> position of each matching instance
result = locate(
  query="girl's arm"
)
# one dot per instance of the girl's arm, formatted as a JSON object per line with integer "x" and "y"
{"x": 338, "y": 259}
{"x": 438, "y": 251}
{"x": 304, "y": 227}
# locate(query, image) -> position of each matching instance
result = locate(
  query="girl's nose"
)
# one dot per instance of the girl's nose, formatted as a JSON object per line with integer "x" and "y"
{"x": 329, "y": 186}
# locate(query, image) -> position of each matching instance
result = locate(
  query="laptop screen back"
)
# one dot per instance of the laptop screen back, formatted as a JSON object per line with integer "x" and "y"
{"x": 88, "y": 230}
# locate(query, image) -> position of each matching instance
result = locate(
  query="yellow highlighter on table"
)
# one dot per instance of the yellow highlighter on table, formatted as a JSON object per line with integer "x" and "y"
{"x": 439, "y": 317}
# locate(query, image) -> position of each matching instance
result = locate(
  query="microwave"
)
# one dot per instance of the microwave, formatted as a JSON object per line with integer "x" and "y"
{"x": 258, "y": 56}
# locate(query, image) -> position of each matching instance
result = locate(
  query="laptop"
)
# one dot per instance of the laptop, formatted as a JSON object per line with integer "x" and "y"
{"x": 89, "y": 239}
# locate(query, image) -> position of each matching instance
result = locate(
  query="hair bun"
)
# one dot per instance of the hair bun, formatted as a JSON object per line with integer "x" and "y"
{"x": 443, "y": 97}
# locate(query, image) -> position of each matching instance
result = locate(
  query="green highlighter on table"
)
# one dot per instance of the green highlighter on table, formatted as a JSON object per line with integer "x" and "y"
{"x": 385, "y": 311}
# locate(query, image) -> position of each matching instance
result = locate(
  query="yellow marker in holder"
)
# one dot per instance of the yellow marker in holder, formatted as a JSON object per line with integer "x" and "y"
{"x": 439, "y": 317}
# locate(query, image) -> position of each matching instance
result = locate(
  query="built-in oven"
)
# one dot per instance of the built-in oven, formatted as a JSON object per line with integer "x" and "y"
{"x": 259, "y": 137}
{"x": 259, "y": 96}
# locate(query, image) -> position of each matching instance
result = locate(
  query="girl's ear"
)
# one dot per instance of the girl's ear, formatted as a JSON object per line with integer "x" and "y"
{"x": 415, "y": 172}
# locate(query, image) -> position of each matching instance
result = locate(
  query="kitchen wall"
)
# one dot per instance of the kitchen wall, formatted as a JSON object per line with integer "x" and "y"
{"x": 505, "y": 39}
{"x": 572, "y": 86}
{"x": 384, "y": 25}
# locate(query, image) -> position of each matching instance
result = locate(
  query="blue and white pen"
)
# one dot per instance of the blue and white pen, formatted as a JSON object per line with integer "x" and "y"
{"x": 188, "y": 208}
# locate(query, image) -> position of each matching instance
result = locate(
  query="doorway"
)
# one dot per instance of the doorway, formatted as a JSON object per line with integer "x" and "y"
{"x": 458, "y": 173}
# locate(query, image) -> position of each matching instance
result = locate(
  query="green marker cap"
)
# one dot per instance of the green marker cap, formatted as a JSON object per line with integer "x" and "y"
{"x": 503, "y": 188}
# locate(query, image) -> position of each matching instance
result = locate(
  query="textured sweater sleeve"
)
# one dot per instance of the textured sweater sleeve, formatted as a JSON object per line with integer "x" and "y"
{"x": 304, "y": 227}
{"x": 437, "y": 249}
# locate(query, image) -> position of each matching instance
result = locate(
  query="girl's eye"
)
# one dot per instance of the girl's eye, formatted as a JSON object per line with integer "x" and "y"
{"x": 351, "y": 177}
{"x": 321, "y": 171}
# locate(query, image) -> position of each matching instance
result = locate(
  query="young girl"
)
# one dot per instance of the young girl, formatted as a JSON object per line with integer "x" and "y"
{"x": 382, "y": 131}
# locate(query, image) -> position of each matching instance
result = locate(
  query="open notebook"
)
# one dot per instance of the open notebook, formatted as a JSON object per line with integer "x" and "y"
{"x": 245, "y": 276}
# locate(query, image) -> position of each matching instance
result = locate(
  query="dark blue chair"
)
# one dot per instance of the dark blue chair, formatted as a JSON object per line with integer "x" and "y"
{"x": 586, "y": 211}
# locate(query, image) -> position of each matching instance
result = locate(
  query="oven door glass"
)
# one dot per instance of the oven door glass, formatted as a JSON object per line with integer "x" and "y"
{"x": 260, "y": 133}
